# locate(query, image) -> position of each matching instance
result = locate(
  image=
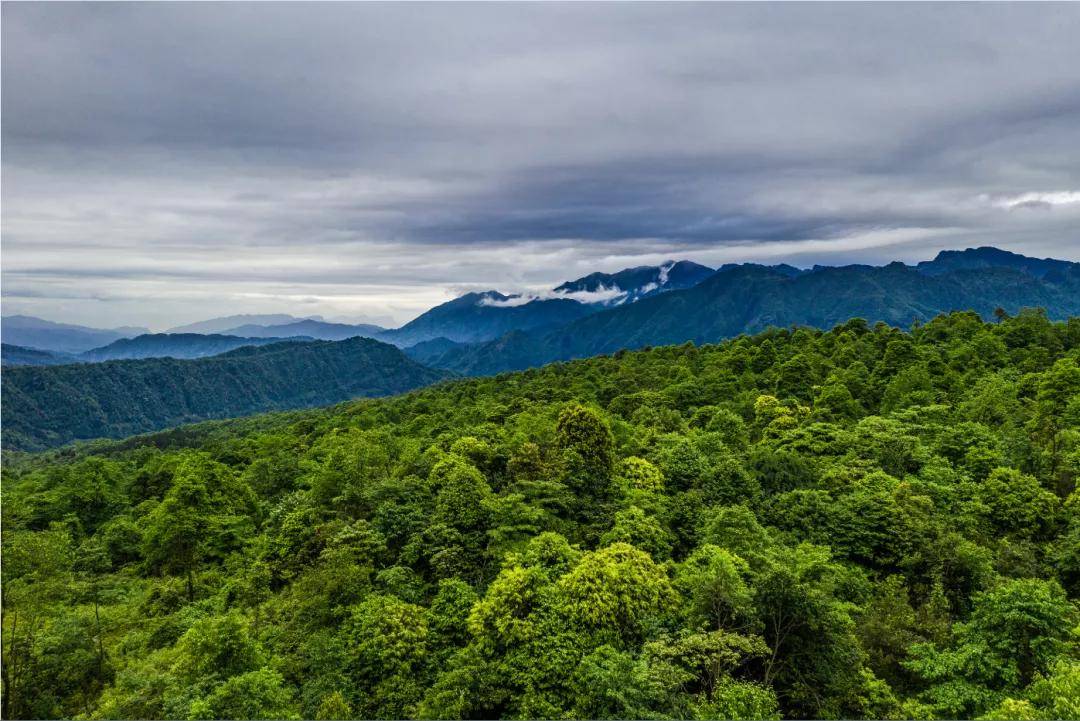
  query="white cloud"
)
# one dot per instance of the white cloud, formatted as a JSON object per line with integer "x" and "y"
{"x": 600, "y": 295}
{"x": 664, "y": 270}
{"x": 1037, "y": 200}
{"x": 512, "y": 301}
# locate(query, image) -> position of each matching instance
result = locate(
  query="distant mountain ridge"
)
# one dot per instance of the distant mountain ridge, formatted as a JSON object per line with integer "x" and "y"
{"x": 175, "y": 345}
{"x": 40, "y": 334}
{"x": 472, "y": 318}
{"x": 226, "y": 323}
{"x": 482, "y": 316}
{"x": 50, "y": 406}
{"x": 310, "y": 328}
{"x": 478, "y": 316}
{"x": 149, "y": 345}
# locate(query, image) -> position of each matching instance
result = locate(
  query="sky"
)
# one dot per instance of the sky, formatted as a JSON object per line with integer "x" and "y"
{"x": 165, "y": 163}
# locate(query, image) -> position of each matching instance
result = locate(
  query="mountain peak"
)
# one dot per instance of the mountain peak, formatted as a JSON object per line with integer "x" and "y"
{"x": 990, "y": 257}
{"x": 630, "y": 284}
{"x": 983, "y": 251}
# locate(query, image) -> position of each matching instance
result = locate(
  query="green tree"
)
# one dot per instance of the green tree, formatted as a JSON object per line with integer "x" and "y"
{"x": 387, "y": 640}
{"x": 614, "y": 592}
{"x": 1014, "y": 502}
{"x": 713, "y": 582}
{"x": 201, "y": 516}
{"x": 1017, "y": 630}
{"x": 588, "y": 451}
{"x": 814, "y": 660}
{"x": 634, "y": 527}
{"x": 259, "y": 694}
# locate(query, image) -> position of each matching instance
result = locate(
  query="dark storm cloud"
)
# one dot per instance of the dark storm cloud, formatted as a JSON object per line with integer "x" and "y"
{"x": 165, "y": 159}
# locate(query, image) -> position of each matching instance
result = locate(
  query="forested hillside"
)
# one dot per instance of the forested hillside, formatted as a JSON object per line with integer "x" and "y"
{"x": 862, "y": 522}
{"x": 17, "y": 355}
{"x": 50, "y": 406}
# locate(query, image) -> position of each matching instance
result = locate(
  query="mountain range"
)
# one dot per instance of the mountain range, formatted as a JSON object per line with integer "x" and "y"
{"x": 476, "y": 317}
{"x": 748, "y": 298}
{"x": 471, "y": 318}
{"x": 309, "y": 328}
{"x": 491, "y": 332}
{"x": 987, "y": 257}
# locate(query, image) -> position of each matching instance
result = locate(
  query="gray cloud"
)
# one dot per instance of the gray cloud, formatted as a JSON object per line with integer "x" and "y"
{"x": 162, "y": 161}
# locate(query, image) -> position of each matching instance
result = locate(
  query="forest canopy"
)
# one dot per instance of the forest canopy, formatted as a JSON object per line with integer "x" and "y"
{"x": 863, "y": 522}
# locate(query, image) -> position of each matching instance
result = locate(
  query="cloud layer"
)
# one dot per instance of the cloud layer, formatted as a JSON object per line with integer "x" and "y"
{"x": 165, "y": 162}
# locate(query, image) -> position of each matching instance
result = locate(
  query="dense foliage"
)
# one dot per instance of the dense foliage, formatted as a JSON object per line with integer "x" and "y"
{"x": 50, "y": 406}
{"x": 860, "y": 522}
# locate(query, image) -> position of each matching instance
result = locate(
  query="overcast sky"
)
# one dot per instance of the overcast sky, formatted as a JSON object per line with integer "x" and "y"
{"x": 164, "y": 163}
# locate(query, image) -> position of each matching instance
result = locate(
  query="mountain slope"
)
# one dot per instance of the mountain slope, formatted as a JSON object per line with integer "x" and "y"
{"x": 40, "y": 334}
{"x": 483, "y": 316}
{"x": 50, "y": 406}
{"x": 17, "y": 355}
{"x": 429, "y": 352}
{"x": 749, "y": 298}
{"x": 175, "y": 345}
